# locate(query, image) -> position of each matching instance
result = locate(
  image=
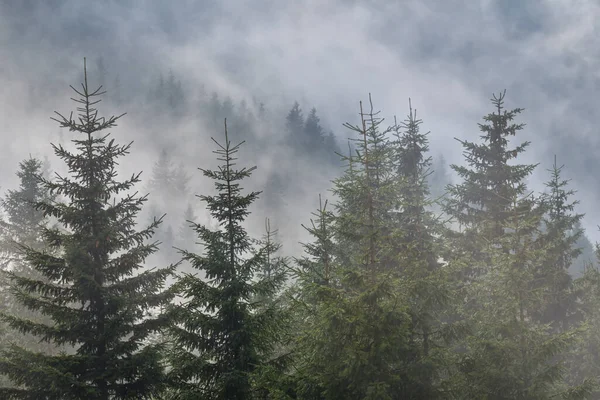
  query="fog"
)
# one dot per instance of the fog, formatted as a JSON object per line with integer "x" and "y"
{"x": 447, "y": 56}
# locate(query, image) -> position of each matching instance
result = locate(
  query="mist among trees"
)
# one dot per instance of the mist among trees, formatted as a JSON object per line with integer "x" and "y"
{"x": 413, "y": 284}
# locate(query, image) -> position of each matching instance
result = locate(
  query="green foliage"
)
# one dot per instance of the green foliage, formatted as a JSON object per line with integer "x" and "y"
{"x": 368, "y": 296}
{"x": 510, "y": 355}
{"x": 224, "y": 328}
{"x": 270, "y": 380}
{"x": 419, "y": 244}
{"x": 366, "y": 195}
{"x": 317, "y": 267}
{"x": 560, "y": 237}
{"x": 585, "y": 359}
{"x": 24, "y": 221}
{"x": 482, "y": 202}
{"x": 388, "y": 301}
{"x": 96, "y": 301}
{"x": 509, "y": 352}
{"x": 356, "y": 343}
{"x": 24, "y": 225}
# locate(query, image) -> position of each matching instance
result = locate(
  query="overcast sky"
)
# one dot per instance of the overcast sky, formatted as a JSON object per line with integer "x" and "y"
{"x": 448, "y": 56}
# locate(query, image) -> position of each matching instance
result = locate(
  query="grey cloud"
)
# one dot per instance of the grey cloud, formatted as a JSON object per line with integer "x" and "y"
{"x": 448, "y": 56}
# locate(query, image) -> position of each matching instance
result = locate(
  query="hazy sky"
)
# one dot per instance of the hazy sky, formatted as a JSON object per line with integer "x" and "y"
{"x": 448, "y": 56}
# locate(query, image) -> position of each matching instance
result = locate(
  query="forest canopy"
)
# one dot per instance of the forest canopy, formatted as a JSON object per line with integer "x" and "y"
{"x": 412, "y": 285}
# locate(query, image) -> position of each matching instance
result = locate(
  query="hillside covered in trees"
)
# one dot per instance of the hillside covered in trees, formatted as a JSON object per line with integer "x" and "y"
{"x": 413, "y": 285}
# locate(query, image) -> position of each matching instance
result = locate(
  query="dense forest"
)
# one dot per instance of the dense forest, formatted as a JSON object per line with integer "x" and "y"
{"x": 413, "y": 285}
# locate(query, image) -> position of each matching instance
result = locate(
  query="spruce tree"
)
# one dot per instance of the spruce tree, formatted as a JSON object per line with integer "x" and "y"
{"x": 24, "y": 225}
{"x": 356, "y": 340}
{"x": 96, "y": 299}
{"x": 560, "y": 239}
{"x": 295, "y": 120}
{"x": 508, "y": 353}
{"x": 482, "y": 202}
{"x": 367, "y": 193}
{"x": 313, "y": 133}
{"x": 315, "y": 271}
{"x": 24, "y": 221}
{"x": 294, "y": 127}
{"x": 316, "y": 266}
{"x": 413, "y": 168}
{"x": 220, "y": 335}
{"x": 419, "y": 246}
{"x": 273, "y": 268}
{"x": 585, "y": 359}
{"x": 270, "y": 379}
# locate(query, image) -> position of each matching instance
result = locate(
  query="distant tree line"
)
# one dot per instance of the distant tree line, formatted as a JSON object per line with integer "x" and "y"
{"x": 404, "y": 291}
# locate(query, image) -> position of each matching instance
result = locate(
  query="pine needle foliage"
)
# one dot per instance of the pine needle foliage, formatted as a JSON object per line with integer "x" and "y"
{"x": 560, "y": 237}
{"x": 355, "y": 343}
{"x": 481, "y": 203}
{"x": 24, "y": 225}
{"x": 508, "y": 353}
{"x": 94, "y": 293}
{"x": 222, "y": 332}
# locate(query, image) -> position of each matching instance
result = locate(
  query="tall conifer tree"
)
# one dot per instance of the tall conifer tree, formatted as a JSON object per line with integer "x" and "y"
{"x": 221, "y": 336}
{"x": 315, "y": 272}
{"x": 313, "y": 137}
{"x": 24, "y": 225}
{"x": 585, "y": 359}
{"x": 317, "y": 265}
{"x": 24, "y": 222}
{"x": 356, "y": 340}
{"x": 419, "y": 246}
{"x": 294, "y": 121}
{"x": 95, "y": 298}
{"x": 560, "y": 239}
{"x": 367, "y": 192}
{"x": 413, "y": 167}
{"x": 507, "y": 354}
{"x": 483, "y": 201}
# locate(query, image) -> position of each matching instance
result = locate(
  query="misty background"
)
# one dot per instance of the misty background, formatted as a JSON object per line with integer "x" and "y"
{"x": 179, "y": 68}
